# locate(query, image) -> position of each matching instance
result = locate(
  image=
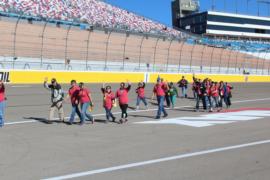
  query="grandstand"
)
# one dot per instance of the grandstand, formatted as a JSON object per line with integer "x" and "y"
{"x": 96, "y": 36}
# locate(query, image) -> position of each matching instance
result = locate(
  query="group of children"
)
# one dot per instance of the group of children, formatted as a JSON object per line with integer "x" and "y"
{"x": 212, "y": 95}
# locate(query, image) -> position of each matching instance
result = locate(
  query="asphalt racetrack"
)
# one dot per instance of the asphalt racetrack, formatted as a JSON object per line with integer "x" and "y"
{"x": 231, "y": 145}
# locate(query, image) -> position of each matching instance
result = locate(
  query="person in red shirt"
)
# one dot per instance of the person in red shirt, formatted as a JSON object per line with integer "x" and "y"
{"x": 159, "y": 91}
{"x": 108, "y": 101}
{"x": 73, "y": 95}
{"x": 229, "y": 96}
{"x": 2, "y": 103}
{"x": 214, "y": 93}
{"x": 141, "y": 95}
{"x": 122, "y": 95}
{"x": 86, "y": 102}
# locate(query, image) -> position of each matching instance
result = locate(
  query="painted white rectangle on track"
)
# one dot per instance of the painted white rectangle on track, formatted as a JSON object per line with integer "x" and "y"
{"x": 214, "y": 119}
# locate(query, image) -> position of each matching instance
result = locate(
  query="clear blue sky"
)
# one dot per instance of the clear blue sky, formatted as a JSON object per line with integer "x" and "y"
{"x": 160, "y": 10}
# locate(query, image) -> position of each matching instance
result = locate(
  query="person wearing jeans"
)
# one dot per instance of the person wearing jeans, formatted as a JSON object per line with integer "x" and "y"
{"x": 183, "y": 84}
{"x": 73, "y": 95}
{"x": 159, "y": 91}
{"x": 86, "y": 102}
{"x": 141, "y": 95}
{"x": 2, "y": 103}
{"x": 108, "y": 101}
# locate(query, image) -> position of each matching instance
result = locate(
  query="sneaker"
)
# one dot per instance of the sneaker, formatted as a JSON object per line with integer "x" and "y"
{"x": 69, "y": 123}
{"x": 113, "y": 119}
{"x": 157, "y": 117}
{"x": 137, "y": 108}
{"x": 121, "y": 121}
{"x": 165, "y": 115}
{"x": 93, "y": 120}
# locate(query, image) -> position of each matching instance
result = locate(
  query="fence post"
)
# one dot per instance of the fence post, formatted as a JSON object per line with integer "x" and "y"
{"x": 140, "y": 56}
{"x": 264, "y": 59}
{"x": 66, "y": 45}
{"x": 236, "y": 61}
{"x": 258, "y": 59}
{"x": 220, "y": 59}
{"x": 168, "y": 56}
{"x": 42, "y": 44}
{"x": 228, "y": 64}
{"x": 201, "y": 67}
{"x": 211, "y": 62}
{"x": 154, "y": 63}
{"x": 14, "y": 39}
{"x": 107, "y": 46}
{"x": 87, "y": 49}
{"x": 180, "y": 56}
{"x": 268, "y": 64}
{"x": 191, "y": 57}
{"x": 124, "y": 53}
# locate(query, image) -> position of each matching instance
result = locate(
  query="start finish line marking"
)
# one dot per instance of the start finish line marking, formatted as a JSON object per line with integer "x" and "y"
{"x": 233, "y": 116}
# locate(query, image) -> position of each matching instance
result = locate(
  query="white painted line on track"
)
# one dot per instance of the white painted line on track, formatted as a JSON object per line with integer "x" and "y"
{"x": 155, "y": 161}
{"x": 20, "y": 122}
{"x": 21, "y": 86}
{"x": 137, "y": 111}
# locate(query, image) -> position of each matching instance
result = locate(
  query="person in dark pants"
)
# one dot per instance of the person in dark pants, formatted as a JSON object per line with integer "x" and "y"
{"x": 73, "y": 95}
{"x": 223, "y": 94}
{"x": 167, "y": 95}
{"x": 122, "y": 95}
{"x": 229, "y": 94}
{"x": 159, "y": 91}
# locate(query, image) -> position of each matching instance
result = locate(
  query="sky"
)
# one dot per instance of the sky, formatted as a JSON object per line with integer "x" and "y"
{"x": 160, "y": 10}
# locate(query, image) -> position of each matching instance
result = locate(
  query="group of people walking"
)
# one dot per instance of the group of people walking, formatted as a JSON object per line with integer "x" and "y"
{"x": 212, "y": 95}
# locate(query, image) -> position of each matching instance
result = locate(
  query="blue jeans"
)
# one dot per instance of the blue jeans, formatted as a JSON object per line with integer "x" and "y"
{"x": 184, "y": 91}
{"x": 85, "y": 113}
{"x": 2, "y": 113}
{"x": 161, "y": 108}
{"x": 109, "y": 114}
{"x": 75, "y": 110}
{"x": 139, "y": 99}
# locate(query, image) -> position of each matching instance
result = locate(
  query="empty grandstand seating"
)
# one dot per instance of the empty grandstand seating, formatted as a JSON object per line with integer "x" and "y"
{"x": 94, "y": 12}
{"x": 145, "y": 45}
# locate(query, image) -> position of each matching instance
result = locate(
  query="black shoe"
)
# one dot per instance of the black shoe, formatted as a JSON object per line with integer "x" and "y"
{"x": 113, "y": 119}
{"x": 157, "y": 117}
{"x": 49, "y": 122}
{"x": 165, "y": 115}
{"x": 121, "y": 121}
{"x": 69, "y": 123}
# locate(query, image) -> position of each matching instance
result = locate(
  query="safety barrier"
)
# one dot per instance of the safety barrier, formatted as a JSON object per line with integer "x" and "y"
{"x": 37, "y": 77}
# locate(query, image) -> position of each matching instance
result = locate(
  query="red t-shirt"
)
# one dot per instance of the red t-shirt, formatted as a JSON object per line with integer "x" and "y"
{"x": 2, "y": 93}
{"x": 84, "y": 95}
{"x": 141, "y": 92}
{"x": 159, "y": 89}
{"x": 74, "y": 94}
{"x": 214, "y": 92}
{"x": 108, "y": 100}
{"x": 122, "y": 95}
